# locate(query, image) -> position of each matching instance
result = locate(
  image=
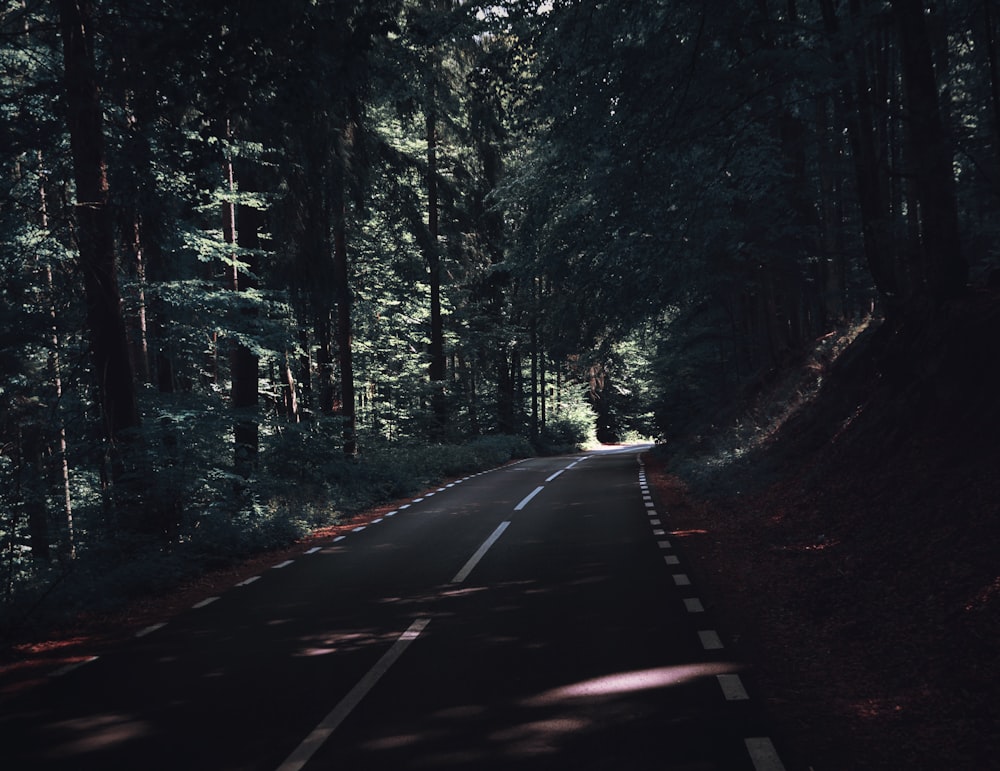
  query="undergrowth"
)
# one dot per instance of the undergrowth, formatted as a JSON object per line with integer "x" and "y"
{"x": 730, "y": 455}
{"x": 214, "y": 518}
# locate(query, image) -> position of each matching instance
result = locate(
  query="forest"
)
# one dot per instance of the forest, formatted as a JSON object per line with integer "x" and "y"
{"x": 266, "y": 264}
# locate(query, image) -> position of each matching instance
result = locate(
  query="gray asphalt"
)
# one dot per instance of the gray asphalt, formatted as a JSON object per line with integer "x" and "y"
{"x": 482, "y": 627}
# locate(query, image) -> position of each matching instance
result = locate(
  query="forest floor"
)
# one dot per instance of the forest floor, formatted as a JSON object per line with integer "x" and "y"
{"x": 852, "y": 554}
{"x": 847, "y": 543}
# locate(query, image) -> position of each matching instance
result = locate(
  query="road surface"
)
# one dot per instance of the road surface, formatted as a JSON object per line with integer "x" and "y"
{"x": 537, "y": 616}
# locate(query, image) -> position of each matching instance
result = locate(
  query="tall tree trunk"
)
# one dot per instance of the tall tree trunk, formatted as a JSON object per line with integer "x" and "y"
{"x": 930, "y": 158}
{"x": 832, "y": 265}
{"x": 438, "y": 365}
{"x": 55, "y": 366}
{"x": 244, "y": 363}
{"x": 994, "y": 65}
{"x": 345, "y": 342}
{"x": 869, "y": 163}
{"x": 240, "y": 227}
{"x": 95, "y": 224}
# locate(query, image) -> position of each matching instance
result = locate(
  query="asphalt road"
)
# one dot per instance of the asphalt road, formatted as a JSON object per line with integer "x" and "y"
{"x": 537, "y": 616}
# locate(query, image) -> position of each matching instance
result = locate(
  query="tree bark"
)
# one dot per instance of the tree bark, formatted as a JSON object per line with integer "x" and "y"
{"x": 869, "y": 164}
{"x": 930, "y": 158}
{"x": 345, "y": 334}
{"x": 438, "y": 365}
{"x": 95, "y": 224}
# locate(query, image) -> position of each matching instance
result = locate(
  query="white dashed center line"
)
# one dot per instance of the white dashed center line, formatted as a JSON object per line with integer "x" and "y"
{"x": 304, "y": 752}
{"x": 150, "y": 629}
{"x": 480, "y": 552}
{"x": 527, "y": 499}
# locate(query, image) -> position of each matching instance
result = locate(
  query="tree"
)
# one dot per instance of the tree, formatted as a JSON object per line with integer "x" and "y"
{"x": 112, "y": 368}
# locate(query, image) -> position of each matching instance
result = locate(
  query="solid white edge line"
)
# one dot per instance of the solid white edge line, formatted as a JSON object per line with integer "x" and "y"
{"x": 732, "y": 687}
{"x": 474, "y": 559}
{"x": 304, "y": 752}
{"x": 527, "y": 499}
{"x": 555, "y": 475}
{"x": 763, "y": 755}
{"x": 693, "y": 605}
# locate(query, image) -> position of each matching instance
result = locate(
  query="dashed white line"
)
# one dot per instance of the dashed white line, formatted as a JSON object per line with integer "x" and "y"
{"x": 480, "y": 552}
{"x": 763, "y": 755}
{"x": 150, "y": 629}
{"x": 248, "y": 581}
{"x": 732, "y": 687}
{"x": 314, "y": 549}
{"x": 404, "y": 506}
{"x": 375, "y": 521}
{"x": 391, "y": 513}
{"x": 693, "y": 605}
{"x": 205, "y": 602}
{"x": 358, "y": 529}
{"x": 281, "y": 565}
{"x": 663, "y": 544}
{"x": 417, "y": 500}
{"x": 339, "y": 538}
{"x": 555, "y": 475}
{"x": 659, "y": 532}
{"x": 710, "y": 640}
{"x": 70, "y": 667}
{"x": 681, "y": 579}
{"x": 304, "y": 752}
{"x": 671, "y": 560}
{"x": 655, "y": 522}
{"x": 650, "y": 505}
{"x": 527, "y": 499}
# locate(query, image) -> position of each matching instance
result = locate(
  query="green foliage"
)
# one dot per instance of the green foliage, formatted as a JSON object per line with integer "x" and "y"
{"x": 644, "y": 210}
{"x": 567, "y": 431}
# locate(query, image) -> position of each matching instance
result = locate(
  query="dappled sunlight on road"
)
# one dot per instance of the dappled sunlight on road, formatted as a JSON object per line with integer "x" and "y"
{"x": 542, "y": 725}
{"x": 94, "y": 733}
{"x": 627, "y": 682}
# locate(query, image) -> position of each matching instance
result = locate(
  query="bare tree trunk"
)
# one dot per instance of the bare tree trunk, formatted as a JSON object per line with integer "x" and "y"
{"x": 994, "y": 64}
{"x": 345, "y": 335}
{"x": 55, "y": 366}
{"x": 438, "y": 365}
{"x": 930, "y": 158}
{"x": 244, "y": 364}
{"x": 95, "y": 224}
{"x": 869, "y": 163}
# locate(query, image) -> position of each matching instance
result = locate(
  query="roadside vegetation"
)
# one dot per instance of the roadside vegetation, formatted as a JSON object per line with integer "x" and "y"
{"x": 263, "y": 267}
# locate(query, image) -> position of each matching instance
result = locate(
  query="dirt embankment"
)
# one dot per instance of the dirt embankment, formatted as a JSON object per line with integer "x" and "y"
{"x": 853, "y": 557}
